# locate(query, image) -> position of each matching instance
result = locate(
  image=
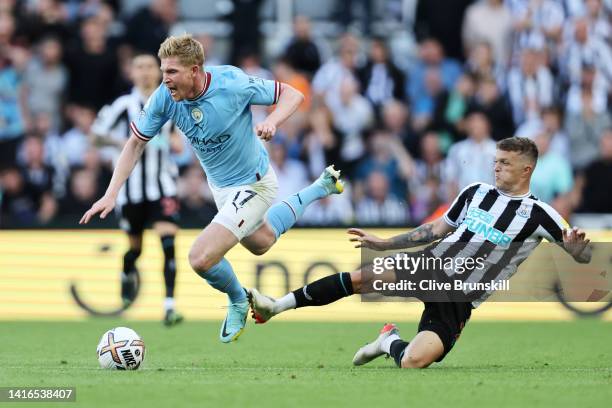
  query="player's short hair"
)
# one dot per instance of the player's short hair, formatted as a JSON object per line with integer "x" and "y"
{"x": 188, "y": 50}
{"x": 522, "y": 145}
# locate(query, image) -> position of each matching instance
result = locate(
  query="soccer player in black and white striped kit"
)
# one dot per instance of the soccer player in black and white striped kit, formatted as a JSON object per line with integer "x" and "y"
{"x": 501, "y": 223}
{"x": 149, "y": 195}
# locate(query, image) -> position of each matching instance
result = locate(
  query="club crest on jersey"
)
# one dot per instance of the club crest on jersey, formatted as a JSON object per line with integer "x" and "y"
{"x": 197, "y": 115}
{"x": 523, "y": 211}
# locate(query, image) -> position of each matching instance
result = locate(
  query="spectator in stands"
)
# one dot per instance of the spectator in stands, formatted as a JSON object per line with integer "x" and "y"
{"x": 489, "y": 22}
{"x": 75, "y": 142}
{"x": 285, "y": 72}
{"x": 427, "y": 186}
{"x": 387, "y": 155}
{"x": 352, "y": 115}
{"x": 470, "y": 160}
{"x": 28, "y": 198}
{"x": 379, "y": 207}
{"x": 396, "y": 121}
{"x": 424, "y": 108}
{"x": 7, "y": 31}
{"x": 598, "y": 19}
{"x": 196, "y": 200}
{"x": 302, "y": 51}
{"x": 481, "y": 64}
{"x": 48, "y": 18}
{"x": 496, "y": 106}
{"x": 586, "y": 49}
{"x": 250, "y": 62}
{"x": 328, "y": 78}
{"x": 530, "y": 86}
{"x": 45, "y": 80}
{"x": 596, "y": 197}
{"x": 102, "y": 172}
{"x": 321, "y": 141}
{"x": 380, "y": 79}
{"x": 550, "y": 123}
{"x": 149, "y": 26}
{"x": 552, "y": 120}
{"x": 208, "y": 43}
{"x": 451, "y": 107}
{"x": 552, "y": 178}
{"x": 82, "y": 192}
{"x": 432, "y": 66}
{"x": 584, "y": 130}
{"x": 537, "y": 21}
{"x": 336, "y": 210}
{"x": 12, "y": 123}
{"x": 292, "y": 174}
{"x": 592, "y": 89}
{"x": 92, "y": 66}
{"x": 19, "y": 205}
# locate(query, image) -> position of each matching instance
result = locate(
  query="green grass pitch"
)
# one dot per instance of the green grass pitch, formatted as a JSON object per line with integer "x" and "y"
{"x": 506, "y": 364}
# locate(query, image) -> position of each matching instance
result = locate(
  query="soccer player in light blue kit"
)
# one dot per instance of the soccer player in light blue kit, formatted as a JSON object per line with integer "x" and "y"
{"x": 212, "y": 108}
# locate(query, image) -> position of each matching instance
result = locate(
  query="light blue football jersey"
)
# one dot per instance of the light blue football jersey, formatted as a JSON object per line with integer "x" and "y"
{"x": 218, "y": 123}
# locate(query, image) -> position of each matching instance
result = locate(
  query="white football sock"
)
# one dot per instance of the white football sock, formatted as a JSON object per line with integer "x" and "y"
{"x": 168, "y": 304}
{"x": 386, "y": 344}
{"x": 285, "y": 303}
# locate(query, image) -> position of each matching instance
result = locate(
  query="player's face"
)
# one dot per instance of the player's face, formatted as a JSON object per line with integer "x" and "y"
{"x": 180, "y": 79}
{"x": 510, "y": 168}
{"x": 145, "y": 72}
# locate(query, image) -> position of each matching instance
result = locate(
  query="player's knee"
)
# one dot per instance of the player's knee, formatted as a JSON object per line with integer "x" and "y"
{"x": 356, "y": 281}
{"x": 132, "y": 254}
{"x": 260, "y": 250}
{"x": 416, "y": 360}
{"x": 202, "y": 261}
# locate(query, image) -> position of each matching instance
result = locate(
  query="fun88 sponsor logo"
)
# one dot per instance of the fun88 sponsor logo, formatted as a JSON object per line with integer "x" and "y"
{"x": 480, "y": 222}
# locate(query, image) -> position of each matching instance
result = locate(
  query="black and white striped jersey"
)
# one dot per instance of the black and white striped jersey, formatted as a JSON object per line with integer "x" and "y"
{"x": 501, "y": 229}
{"x": 154, "y": 176}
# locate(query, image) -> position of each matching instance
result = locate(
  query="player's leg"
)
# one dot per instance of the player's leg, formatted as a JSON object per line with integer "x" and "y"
{"x": 282, "y": 216}
{"x": 241, "y": 212}
{"x": 206, "y": 257}
{"x": 128, "y": 274}
{"x": 131, "y": 220}
{"x": 318, "y": 293}
{"x": 167, "y": 231}
{"x": 440, "y": 327}
{"x": 424, "y": 349}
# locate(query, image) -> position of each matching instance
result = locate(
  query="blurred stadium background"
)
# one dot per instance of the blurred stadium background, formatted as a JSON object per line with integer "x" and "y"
{"x": 407, "y": 97}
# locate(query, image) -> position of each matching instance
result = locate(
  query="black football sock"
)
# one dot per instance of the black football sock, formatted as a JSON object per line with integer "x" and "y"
{"x": 324, "y": 291}
{"x": 129, "y": 261}
{"x": 398, "y": 347}
{"x": 169, "y": 264}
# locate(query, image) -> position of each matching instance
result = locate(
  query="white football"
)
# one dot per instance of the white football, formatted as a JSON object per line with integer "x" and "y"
{"x": 120, "y": 348}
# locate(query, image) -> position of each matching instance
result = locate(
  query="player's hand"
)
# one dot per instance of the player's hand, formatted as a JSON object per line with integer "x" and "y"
{"x": 103, "y": 206}
{"x": 265, "y": 130}
{"x": 365, "y": 240}
{"x": 575, "y": 241}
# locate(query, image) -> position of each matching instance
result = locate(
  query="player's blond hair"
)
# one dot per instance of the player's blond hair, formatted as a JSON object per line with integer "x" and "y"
{"x": 188, "y": 50}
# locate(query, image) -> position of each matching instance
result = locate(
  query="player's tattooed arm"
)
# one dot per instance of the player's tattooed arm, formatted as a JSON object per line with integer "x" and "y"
{"x": 421, "y": 235}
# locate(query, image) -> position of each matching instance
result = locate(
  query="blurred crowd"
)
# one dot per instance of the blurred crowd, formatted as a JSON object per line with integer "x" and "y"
{"x": 408, "y": 131}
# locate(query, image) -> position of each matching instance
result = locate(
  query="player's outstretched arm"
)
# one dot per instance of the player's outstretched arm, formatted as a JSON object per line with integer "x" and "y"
{"x": 127, "y": 160}
{"x": 288, "y": 102}
{"x": 577, "y": 245}
{"x": 421, "y": 235}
